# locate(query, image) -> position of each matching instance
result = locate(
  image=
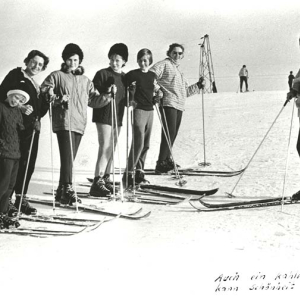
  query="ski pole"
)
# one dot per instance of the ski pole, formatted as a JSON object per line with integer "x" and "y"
{"x": 287, "y": 158}
{"x": 118, "y": 149}
{"x": 180, "y": 182}
{"x": 127, "y": 137}
{"x": 204, "y": 163}
{"x": 134, "y": 197}
{"x": 231, "y": 194}
{"x": 51, "y": 145}
{"x": 26, "y": 170}
{"x": 113, "y": 144}
{"x": 72, "y": 153}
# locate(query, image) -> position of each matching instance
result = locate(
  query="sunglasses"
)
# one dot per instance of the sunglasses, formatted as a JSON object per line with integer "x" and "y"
{"x": 179, "y": 53}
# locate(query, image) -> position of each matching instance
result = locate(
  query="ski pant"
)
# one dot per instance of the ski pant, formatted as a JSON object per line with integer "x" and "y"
{"x": 8, "y": 175}
{"x": 142, "y": 127}
{"x": 105, "y": 151}
{"x": 24, "y": 148}
{"x": 243, "y": 79}
{"x": 66, "y": 160}
{"x": 171, "y": 119}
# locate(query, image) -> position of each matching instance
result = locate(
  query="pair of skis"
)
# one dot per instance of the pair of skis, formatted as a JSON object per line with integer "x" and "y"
{"x": 135, "y": 215}
{"x": 42, "y": 231}
{"x": 158, "y": 194}
{"x": 198, "y": 172}
{"x": 194, "y": 172}
{"x": 211, "y": 207}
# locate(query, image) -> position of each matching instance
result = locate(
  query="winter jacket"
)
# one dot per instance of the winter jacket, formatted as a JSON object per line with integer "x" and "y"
{"x": 243, "y": 72}
{"x": 101, "y": 82}
{"x": 11, "y": 123}
{"x": 39, "y": 106}
{"x": 173, "y": 84}
{"x": 82, "y": 94}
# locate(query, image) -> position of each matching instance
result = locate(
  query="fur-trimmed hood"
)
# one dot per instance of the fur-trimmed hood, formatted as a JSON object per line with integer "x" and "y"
{"x": 79, "y": 71}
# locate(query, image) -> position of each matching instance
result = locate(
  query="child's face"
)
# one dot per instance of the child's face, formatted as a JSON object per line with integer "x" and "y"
{"x": 116, "y": 62}
{"x": 35, "y": 65}
{"x": 16, "y": 99}
{"x": 72, "y": 62}
{"x": 144, "y": 62}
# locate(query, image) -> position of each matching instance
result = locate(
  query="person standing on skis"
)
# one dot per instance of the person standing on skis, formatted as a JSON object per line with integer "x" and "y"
{"x": 175, "y": 90}
{"x": 295, "y": 93}
{"x": 243, "y": 78}
{"x": 144, "y": 91}
{"x": 71, "y": 93}
{"x": 109, "y": 81}
{"x": 32, "y": 112}
{"x": 11, "y": 126}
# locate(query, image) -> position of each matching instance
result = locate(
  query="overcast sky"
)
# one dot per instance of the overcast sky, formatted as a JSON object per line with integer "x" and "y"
{"x": 264, "y": 35}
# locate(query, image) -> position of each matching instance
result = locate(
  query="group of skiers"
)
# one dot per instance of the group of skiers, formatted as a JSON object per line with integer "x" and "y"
{"x": 243, "y": 74}
{"x": 66, "y": 94}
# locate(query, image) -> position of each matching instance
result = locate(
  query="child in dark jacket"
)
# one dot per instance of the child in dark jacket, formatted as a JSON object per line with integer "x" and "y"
{"x": 11, "y": 123}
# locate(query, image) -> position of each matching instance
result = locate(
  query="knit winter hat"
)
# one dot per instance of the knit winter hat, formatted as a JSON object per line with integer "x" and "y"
{"x": 119, "y": 49}
{"x": 70, "y": 50}
{"x": 20, "y": 88}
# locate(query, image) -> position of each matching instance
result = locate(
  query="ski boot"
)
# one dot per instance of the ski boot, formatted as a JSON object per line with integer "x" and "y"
{"x": 26, "y": 208}
{"x": 12, "y": 210}
{"x": 68, "y": 196}
{"x": 98, "y": 188}
{"x": 58, "y": 193}
{"x": 162, "y": 167}
{"x": 140, "y": 177}
{"x": 6, "y": 222}
{"x": 109, "y": 184}
{"x": 171, "y": 163}
{"x": 296, "y": 196}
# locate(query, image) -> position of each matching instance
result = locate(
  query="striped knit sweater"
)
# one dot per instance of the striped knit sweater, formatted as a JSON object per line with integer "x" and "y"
{"x": 173, "y": 84}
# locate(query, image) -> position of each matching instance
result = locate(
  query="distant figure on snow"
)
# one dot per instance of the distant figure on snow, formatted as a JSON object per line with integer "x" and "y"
{"x": 243, "y": 78}
{"x": 291, "y": 79}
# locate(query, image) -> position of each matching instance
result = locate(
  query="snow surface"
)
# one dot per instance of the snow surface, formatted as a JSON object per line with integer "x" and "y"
{"x": 178, "y": 253}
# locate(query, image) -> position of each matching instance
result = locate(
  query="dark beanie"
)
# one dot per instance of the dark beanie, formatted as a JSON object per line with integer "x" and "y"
{"x": 119, "y": 49}
{"x": 70, "y": 50}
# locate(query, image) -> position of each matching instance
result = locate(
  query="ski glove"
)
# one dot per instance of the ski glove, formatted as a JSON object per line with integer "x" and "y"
{"x": 291, "y": 94}
{"x": 157, "y": 97}
{"x": 49, "y": 95}
{"x": 37, "y": 125}
{"x": 201, "y": 83}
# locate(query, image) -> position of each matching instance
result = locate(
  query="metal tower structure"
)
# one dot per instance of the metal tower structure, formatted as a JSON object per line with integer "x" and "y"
{"x": 206, "y": 69}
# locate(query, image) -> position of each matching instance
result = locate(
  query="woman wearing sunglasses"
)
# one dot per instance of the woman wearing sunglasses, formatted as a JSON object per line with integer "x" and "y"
{"x": 175, "y": 90}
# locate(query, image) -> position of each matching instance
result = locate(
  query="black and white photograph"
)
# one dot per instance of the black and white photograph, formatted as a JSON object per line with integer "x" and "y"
{"x": 149, "y": 149}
